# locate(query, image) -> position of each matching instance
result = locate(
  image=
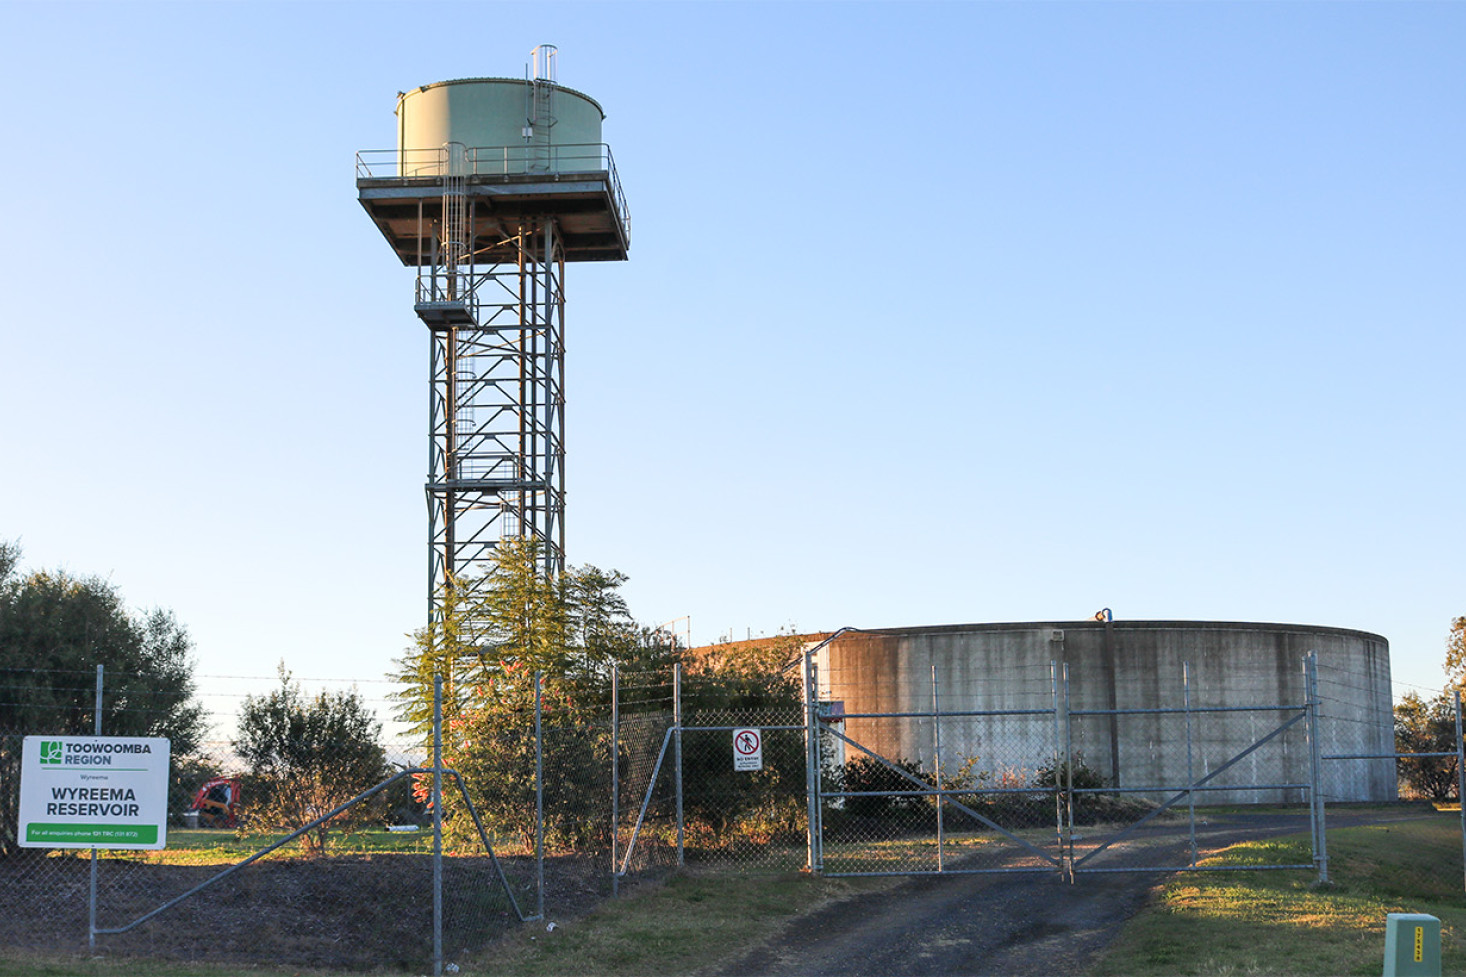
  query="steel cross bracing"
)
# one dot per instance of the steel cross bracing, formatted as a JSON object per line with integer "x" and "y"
{"x": 496, "y": 463}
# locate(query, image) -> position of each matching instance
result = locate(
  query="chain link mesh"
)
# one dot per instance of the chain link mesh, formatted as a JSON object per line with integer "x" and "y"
{"x": 888, "y": 806}
{"x": 1131, "y": 807}
{"x": 358, "y": 896}
{"x": 745, "y": 820}
{"x": 1025, "y": 786}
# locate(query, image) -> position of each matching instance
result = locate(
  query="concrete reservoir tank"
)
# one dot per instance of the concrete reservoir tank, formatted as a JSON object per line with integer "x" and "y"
{"x": 507, "y": 126}
{"x": 1149, "y": 704}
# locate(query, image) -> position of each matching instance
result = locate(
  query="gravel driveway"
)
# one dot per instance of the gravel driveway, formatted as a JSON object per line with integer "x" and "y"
{"x": 1015, "y": 925}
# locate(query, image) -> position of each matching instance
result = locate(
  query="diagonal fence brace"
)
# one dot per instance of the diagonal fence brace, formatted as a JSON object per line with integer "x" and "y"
{"x": 1132, "y": 828}
{"x": 335, "y": 812}
{"x": 926, "y": 787}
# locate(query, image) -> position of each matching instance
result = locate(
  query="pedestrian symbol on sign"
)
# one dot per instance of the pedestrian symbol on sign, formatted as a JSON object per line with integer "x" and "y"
{"x": 748, "y": 749}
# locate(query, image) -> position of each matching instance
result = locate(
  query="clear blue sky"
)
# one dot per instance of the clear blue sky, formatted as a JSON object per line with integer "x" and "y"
{"x": 935, "y": 314}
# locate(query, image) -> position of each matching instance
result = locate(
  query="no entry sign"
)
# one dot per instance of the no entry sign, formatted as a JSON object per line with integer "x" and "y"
{"x": 94, "y": 792}
{"x": 748, "y": 749}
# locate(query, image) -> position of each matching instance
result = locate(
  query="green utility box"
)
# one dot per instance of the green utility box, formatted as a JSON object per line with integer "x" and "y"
{"x": 1412, "y": 945}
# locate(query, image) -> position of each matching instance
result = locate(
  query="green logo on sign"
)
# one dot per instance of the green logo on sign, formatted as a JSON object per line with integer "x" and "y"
{"x": 51, "y": 752}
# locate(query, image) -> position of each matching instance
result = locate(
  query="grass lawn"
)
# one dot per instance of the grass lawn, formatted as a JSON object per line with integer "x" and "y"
{"x": 16, "y": 964}
{"x": 1280, "y": 923}
{"x": 685, "y": 926}
{"x": 222, "y": 846}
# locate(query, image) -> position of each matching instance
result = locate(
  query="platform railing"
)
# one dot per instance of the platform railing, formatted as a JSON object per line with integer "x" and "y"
{"x": 520, "y": 160}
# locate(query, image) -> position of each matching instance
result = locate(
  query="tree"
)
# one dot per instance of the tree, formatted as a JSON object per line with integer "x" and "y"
{"x": 55, "y": 629}
{"x": 307, "y": 757}
{"x": 487, "y": 642}
{"x": 9, "y": 557}
{"x": 1456, "y": 653}
{"x": 574, "y": 629}
{"x": 488, "y": 637}
{"x": 439, "y": 651}
{"x": 600, "y": 623}
{"x": 1427, "y": 726}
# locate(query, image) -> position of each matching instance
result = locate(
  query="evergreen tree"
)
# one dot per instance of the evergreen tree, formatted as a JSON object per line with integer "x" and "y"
{"x": 55, "y": 629}
{"x": 573, "y": 630}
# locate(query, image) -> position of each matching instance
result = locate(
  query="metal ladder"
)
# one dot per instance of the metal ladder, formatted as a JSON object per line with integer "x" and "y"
{"x": 542, "y": 109}
{"x": 455, "y": 242}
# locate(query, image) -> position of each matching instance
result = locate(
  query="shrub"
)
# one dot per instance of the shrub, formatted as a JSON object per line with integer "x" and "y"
{"x": 307, "y": 757}
{"x": 866, "y": 773}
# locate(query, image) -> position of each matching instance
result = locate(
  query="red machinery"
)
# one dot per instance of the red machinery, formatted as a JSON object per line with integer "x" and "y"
{"x": 217, "y": 803}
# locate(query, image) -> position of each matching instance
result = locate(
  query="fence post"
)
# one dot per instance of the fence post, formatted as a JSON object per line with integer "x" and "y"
{"x": 937, "y": 764}
{"x": 539, "y": 793}
{"x": 1058, "y": 796}
{"x": 92, "y": 887}
{"x": 1320, "y": 831}
{"x": 677, "y": 748}
{"x": 1068, "y": 779}
{"x": 819, "y": 773}
{"x": 1190, "y": 762}
{"x": 1461, "y": 781}
{"x": 437, "y": 825}
{"x": 811, "y": 768}
{"x": 615, "y": 775}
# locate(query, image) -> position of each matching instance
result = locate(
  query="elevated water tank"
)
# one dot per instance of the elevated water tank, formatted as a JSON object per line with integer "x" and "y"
{"x": 508, "y": 126}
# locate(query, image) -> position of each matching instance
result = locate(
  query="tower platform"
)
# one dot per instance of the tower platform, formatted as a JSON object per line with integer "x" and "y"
{"x": 588, "y": 207}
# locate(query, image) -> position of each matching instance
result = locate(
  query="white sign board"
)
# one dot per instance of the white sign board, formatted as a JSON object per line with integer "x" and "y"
{"x": 94, "y": 792}
{"x": 748, "y": 749}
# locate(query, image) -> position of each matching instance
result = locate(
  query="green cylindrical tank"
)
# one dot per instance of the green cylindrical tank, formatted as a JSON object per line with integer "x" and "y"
{"x": 504, "y": 126}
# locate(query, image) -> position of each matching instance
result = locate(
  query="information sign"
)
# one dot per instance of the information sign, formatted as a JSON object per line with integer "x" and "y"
{"x": 94, "y": 792}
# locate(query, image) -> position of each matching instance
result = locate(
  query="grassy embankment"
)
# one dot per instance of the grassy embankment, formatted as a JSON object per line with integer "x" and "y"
{"x": 1280, "y": 923}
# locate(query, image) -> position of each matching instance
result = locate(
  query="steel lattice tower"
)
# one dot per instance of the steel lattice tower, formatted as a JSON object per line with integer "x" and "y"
{"x": 490, "y": 228}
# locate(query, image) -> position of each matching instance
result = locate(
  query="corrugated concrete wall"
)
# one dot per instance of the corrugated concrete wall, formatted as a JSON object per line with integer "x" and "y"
{"x": 1126, "y": 665}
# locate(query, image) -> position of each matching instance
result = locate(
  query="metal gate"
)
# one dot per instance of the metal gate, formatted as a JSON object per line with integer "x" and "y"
{"x": 875, "y": 814}
{"x": 1044, "y": 789}
{"x": 1061, "y": 789}
{"x": 1147, "y": 819}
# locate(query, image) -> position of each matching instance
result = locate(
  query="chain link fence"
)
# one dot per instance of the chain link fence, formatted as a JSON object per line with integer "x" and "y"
{"x": 565, "y": 804}
{"x": 357, "y": 888}
{"x": 970, "y": 792}
{"x": 745, "y": 819}
{"x": 644, "y": 810}
{"x": 1196, "y": 780}
{"x": 1420, "y": 768}
{"x": 1032, "y": 782}
{"x": 539, "y": 820}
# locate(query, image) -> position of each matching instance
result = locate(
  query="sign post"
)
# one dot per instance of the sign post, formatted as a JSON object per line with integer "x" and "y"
{"x": 94, "y": 792}
{"x": 748, "y": 749}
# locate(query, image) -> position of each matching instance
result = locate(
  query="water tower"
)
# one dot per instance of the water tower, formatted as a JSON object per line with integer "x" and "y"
{"x": 494, "y": 186}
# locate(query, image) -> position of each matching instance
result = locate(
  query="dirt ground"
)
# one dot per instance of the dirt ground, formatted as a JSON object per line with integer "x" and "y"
{"x": 956, "y": 925}
{"x": 351, "y": 913}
